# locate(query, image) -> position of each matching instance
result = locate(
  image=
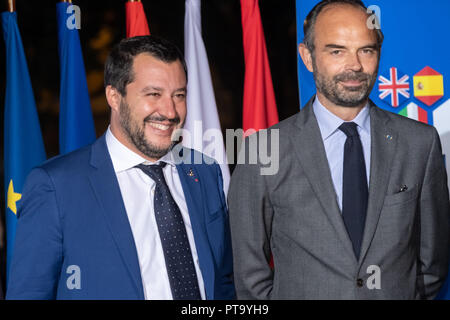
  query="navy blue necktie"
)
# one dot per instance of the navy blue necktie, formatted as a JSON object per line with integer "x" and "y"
{"x": 172, "y": 231}
{"x": 355, "y": 191}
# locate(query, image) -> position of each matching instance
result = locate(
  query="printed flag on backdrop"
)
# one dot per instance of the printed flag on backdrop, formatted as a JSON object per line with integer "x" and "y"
{"x": 428, "y": 86}
{"x": 259, "y": 107}
{"x": 394, "y": 87}
{"x": 426, "y": 64}
{"x": 135, "y": 19}
{"x": 24, "y": 147}
{"x": 201, "y": 103}
{"x": 76, "y": 124}
{"x": 413, "y": 111}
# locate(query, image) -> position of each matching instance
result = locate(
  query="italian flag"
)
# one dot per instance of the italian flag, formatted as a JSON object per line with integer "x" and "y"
{"x": 413, "y": 111}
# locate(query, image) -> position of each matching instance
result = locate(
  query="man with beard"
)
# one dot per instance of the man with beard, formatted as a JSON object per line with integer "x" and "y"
{"x": 132, "y": 216}
{"x": 359, "y": 208}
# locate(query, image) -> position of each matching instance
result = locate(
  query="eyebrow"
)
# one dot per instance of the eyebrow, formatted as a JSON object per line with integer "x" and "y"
{"x": 336, "y": 46}
{"x": 181, "y": 89}
{"x": 371, "y": 46}
{"x": 150, "y": 88}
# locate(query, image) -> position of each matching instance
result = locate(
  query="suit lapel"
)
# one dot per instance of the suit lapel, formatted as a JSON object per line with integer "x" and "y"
{"x": 383, "y": 144}
{"x": 308, "y": 145}
{"x": 107, "y": 191}
{"x": 191, "y": 182}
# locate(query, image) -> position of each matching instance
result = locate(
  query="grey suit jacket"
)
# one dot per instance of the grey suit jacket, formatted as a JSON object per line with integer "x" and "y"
{"x": 294, "y": 216}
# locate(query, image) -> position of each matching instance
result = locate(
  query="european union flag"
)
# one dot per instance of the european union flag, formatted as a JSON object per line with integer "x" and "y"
{"x": 416, "y": 42}
{"x": 24, "y": 148}
{"x": 76, "y": 125}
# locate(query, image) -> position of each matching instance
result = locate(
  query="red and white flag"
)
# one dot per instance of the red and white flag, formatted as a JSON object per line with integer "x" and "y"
{"x": 259, "y": 107}
{"x": 202, "y": 119}
{"x": 136, "y": 20}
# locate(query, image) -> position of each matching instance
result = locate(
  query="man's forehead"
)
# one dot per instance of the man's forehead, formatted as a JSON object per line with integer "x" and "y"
{"x": 344, "y": 22}
{"x": 340, "y": 13}
{"x": 144, "y": 63}
{"x": 341, "y": 6}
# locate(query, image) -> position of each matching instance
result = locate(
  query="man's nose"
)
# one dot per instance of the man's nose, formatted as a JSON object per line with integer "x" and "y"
{"x": 353, "y": 62}
{"x": 168, "y": 108}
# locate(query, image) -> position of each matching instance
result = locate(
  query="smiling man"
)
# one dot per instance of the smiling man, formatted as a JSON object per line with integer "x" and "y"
{"x": 129, "y": 217}
{"x": 360, "y": 207}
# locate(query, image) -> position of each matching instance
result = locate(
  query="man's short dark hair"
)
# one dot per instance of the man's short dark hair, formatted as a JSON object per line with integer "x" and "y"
{"x": 310, "y": 21}
{"x": 119, "y": 64}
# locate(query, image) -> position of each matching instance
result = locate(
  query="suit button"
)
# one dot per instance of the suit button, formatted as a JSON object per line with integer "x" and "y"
{"x": 360, "y": 283}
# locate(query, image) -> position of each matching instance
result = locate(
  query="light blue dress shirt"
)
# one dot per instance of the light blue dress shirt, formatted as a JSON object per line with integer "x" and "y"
{"x": 334, "y": 140}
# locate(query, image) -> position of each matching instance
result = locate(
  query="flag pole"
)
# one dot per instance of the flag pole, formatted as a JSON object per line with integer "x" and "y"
{"x": 12, "y": 5}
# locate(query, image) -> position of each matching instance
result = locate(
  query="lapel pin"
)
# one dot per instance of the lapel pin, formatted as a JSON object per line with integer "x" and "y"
{"x": 191, "y": 174}
{"x": 388, "y": 137}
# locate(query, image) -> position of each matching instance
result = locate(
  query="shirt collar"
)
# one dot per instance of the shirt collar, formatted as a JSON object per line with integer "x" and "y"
{"x": 329, "y": 122}
{"x": 124, "y": 158}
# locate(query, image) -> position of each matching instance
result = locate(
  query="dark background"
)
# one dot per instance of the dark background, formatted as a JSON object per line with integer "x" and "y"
{"x": 103, "y": 25}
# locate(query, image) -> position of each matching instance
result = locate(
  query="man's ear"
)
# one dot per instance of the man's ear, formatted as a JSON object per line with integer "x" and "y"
{"x": 113, "y": 97}
{"x": 306, "y": 56}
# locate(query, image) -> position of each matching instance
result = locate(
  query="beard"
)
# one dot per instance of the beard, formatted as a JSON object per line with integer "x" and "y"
{"x": 136, "y": 132}
{"x": 349, "y": 96}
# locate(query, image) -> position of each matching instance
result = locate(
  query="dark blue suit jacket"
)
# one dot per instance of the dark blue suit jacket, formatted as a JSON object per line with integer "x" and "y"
{"x": 72, "y": 214}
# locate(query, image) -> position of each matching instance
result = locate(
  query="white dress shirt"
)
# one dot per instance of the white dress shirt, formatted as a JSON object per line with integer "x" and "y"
{"x": 334, "y": 141}
{"x": 137, "y": 190}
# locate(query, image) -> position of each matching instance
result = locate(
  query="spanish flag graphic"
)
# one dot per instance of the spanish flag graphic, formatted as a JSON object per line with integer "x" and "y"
{"x": 428, "y": 86}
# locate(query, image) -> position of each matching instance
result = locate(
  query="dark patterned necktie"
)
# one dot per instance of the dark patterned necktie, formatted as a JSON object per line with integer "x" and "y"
{"x": 172, "y": 231}
{"x": 355, "y": 191}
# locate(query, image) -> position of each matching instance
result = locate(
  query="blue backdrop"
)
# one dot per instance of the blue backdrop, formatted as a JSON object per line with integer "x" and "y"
{"x": 416, "y": 36}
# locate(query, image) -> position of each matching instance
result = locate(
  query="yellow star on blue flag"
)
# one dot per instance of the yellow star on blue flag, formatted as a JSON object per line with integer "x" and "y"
{"x": 13, "y": 197}
{"x": 23, "y": 144}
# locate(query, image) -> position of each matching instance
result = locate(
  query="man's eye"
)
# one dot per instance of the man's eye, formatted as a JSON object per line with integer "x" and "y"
{"x": 180, "y": 95}
{"x": 336, "y": 52}
{"x": 153, "y": 94}
{"x": 368, "y": 51}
